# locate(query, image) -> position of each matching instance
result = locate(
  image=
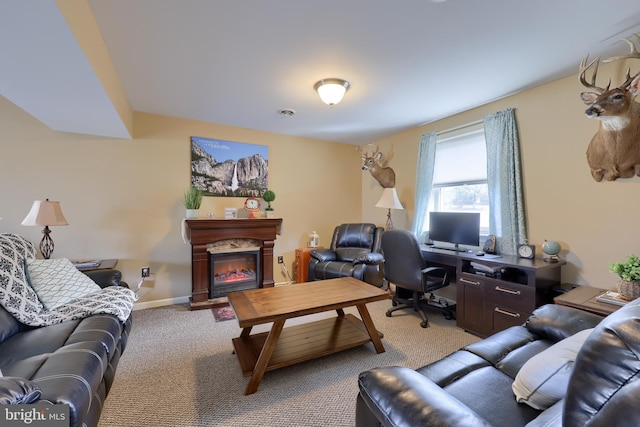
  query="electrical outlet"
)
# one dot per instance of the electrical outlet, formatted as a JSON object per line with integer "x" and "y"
{"x": 280, "y": 260}
{"x": 146, "y": 272}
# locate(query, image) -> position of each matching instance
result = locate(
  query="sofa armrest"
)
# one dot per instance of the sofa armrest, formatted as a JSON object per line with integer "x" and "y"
{"x": 107, "y": 277}
{"x": 324, "y": 255}
{"x": 400, "y": 396}
{"x": 370, "y": 258}
{"x": 14, "y": 390}
{"x": 557, "y": 322}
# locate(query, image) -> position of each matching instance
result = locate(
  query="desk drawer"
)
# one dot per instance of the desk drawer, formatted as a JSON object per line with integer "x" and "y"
{"x": 500, "y": 317}
{"x": 511, "y": 295}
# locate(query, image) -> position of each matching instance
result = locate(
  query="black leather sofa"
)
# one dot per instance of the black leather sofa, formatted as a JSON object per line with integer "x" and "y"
{"x": 354, "y": 252}
{"x": 73, "y": 362}
{"x": 473, "y": 386}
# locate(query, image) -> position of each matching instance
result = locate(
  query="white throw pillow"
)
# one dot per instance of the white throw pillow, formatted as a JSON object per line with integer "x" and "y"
{"x": 543, "y": 379}
{"x": 57, "y": 281}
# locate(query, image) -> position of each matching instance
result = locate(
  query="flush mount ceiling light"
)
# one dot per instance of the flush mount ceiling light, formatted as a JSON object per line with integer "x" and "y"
{"x": 331, "y": 91}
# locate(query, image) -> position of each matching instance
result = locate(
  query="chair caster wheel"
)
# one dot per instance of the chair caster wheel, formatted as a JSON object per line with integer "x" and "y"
{"x": 394, "y": 303}
{"x": 388, "y": 314}
{"x": 424, "y": 324}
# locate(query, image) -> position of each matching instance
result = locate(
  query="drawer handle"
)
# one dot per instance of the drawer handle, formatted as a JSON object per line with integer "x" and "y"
{"x": 508, "y": 313}
{"x": 508, "y": 291}
{"x": 463, "y": 280}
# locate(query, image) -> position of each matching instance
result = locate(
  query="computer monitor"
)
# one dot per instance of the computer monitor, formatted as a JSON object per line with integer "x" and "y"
{"x": 459, "y": 228}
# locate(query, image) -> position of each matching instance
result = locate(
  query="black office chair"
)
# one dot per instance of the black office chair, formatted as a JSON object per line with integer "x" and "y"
{"x": 405, "y": 267}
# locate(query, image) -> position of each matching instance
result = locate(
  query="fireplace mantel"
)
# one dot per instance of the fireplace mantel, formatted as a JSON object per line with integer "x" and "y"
{"x": 205, "y": 231}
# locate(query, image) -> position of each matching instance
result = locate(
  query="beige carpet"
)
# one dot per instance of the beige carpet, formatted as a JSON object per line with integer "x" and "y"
{"x": 179, "y": 370}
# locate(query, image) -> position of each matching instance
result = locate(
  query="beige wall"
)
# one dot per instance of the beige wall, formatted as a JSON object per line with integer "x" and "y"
{"x": 596, "y": 223}
{"x": 123, "y": 198}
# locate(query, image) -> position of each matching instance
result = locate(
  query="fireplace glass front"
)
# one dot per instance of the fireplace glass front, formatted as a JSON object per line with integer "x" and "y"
{"x": 233, "y": 271}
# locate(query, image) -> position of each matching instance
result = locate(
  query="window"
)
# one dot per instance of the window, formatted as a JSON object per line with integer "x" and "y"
{"x": 460, "y": 175}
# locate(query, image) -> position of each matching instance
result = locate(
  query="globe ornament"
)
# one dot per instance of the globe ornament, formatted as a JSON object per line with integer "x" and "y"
{"x": 551, "y": 250}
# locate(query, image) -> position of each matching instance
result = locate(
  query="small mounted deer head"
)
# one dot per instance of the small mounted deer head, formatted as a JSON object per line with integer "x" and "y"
{"x": 614, "y": 151}
{"x": 385, "y": 176}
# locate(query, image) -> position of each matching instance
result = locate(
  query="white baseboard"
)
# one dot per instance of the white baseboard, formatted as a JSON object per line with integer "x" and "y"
{"x": 160, "y": 303}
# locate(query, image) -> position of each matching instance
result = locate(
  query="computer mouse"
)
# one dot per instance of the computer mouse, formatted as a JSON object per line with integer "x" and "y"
{"x": 480, "y": 253}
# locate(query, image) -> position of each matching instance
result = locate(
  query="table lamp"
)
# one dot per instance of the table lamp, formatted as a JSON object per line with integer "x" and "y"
{"x": 47, "y": 213}
{"x": 389, "y": 200}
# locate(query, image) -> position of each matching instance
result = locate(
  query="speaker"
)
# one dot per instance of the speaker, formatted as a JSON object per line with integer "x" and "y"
{"x": 426, "y": 240}
{"x": 490, "y": 245}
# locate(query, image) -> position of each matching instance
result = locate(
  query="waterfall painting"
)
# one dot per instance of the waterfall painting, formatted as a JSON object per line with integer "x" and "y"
{"x": 228, "y": 169}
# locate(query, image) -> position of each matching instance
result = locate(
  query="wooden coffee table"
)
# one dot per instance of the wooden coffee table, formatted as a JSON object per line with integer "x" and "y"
{"x": 282, "y": 347}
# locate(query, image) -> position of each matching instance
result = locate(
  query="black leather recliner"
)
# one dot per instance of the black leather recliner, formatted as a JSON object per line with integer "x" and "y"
{"x": 354, "y": 251}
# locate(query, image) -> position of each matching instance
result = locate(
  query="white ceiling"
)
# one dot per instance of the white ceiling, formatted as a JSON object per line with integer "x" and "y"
{"x": 238, "y": 63}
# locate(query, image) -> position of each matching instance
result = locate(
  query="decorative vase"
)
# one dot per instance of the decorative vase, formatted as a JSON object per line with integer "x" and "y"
{"x": 270, "y": 214}
{"x": 192, "y": 213}
{"x": 629, "y": 289}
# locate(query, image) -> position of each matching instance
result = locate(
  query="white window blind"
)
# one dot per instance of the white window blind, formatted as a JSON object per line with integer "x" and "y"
{"x": 461, "y": 158}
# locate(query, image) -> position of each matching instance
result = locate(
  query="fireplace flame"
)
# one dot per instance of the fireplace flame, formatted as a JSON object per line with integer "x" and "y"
{"x": 234, "y": 275}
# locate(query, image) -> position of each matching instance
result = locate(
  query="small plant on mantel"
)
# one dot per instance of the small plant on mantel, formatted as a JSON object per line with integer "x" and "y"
{"x": 193, "y": 198}
{"x": 268, "y": 196}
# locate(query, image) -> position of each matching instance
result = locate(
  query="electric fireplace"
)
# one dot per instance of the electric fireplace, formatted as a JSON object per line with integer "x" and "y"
{"x": 233, "y": 270}
{"x": 207, "y": 234}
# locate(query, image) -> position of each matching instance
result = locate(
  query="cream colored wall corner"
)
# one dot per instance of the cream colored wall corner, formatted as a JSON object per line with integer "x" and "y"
{"x": 81, "y": 21}
{"x": 123, "y": 198}
{"x": 594, "y": 222}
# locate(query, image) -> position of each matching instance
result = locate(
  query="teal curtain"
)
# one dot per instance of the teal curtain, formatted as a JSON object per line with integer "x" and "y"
{"x": 506, "y": 203}
{"x": 424, "y": 180}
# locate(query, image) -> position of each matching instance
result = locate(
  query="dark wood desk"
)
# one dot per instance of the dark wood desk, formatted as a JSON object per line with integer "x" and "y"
{"x": 486, "y": 304}
{"x": 584, "y": 298}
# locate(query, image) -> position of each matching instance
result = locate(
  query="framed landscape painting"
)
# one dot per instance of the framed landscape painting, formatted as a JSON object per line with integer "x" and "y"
{"x": 226, "y": 168}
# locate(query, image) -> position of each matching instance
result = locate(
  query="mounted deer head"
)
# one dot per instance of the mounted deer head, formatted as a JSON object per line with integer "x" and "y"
{"x": 385, "y": 176}
{"x": 614, "y": 151}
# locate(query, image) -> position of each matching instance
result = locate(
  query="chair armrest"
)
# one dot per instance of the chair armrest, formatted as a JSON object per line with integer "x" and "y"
{"x": 435, "y": 276}
{"x": 324, "y": 255}
{"x": 400, "y": 396}
{"x": 430, "y": 270}
{"x": 557, "y": 322}
{"x": 107, "y": 277}
{"x": 370, "y": 258}
{"x": 14, "y": 390}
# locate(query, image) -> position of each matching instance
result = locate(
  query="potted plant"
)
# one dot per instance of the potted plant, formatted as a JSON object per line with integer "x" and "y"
{"x": 269, "y": 196}
{"x": 629, "y": 273}
{"x": 192, "y": 201}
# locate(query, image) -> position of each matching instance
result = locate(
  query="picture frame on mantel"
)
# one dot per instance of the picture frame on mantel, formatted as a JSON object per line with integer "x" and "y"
{"x": 229, "y": 169}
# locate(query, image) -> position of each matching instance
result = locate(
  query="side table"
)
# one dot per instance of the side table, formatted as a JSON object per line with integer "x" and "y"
{"x": 584, "y": 298}
{"x": 303, "y": 255}
{"x": 105, "y": 264}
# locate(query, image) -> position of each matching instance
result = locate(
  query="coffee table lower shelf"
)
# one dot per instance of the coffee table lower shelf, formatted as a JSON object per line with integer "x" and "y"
{"x": 303, "y": 342}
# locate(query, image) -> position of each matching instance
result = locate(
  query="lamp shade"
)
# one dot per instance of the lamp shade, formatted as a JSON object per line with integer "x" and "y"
{"x": 45, "y": 213}
{"x": 389, "y": 199}
{"x": 331, "y": 91}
